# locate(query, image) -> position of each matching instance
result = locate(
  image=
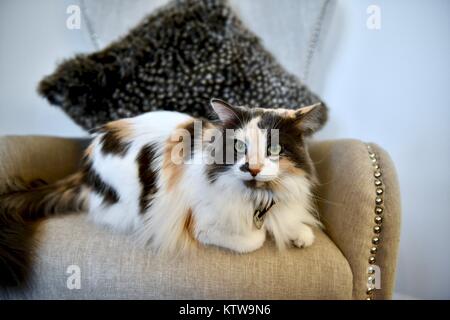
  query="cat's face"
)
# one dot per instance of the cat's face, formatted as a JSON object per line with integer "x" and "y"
{"x": 266, "y": 145}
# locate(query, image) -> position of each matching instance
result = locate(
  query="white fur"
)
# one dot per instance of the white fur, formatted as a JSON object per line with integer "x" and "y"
{"x": 222, "y": 211}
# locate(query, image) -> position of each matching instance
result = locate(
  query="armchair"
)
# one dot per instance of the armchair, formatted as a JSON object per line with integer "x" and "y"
{"x": 354, "y": 179}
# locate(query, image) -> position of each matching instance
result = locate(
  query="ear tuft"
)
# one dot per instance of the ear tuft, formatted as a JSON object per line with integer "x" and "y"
{"x": 312, "y": 118}
{"x": 225, "y": 111}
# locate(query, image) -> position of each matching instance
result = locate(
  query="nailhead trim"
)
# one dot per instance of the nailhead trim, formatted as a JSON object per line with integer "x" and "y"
{"x": 378, "y": 220}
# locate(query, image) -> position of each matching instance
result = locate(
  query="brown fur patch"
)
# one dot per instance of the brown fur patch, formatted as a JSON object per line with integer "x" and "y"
{"x": 122, "y": 128}
{"x": 172, "y": 170}
{"x": 189, "y": 224}
{"x": 286, "y": 166}
{"x": 116, "y": 137}
{"x": 173, "y": 163}
{"x": 89, "y": 152}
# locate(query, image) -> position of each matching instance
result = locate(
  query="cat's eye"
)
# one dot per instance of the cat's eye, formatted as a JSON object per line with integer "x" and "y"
{"x": 240, "y": 146}
{"x": 274, "y": 150}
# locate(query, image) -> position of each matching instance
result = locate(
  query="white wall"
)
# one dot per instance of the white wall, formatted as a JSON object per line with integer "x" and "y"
{"x": 388, "y": 86}
{"x": 391, "y": 87}
{"x": 33, "y": 37}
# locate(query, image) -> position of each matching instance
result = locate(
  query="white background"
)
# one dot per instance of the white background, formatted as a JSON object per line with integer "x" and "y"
{"x": 389, "y": 86}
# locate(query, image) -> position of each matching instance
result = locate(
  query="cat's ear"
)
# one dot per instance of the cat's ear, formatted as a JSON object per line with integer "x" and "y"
{"x": 311, "y": 118}
{"x": 225, "y": 111}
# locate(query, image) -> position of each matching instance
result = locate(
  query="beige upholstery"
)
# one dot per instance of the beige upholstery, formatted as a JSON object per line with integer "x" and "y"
{"x": 347, "y": 204}
{"x": 112, "y": 267}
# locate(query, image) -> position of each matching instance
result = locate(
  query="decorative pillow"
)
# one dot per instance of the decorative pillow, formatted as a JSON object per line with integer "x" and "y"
{"x": 177, "y": 59}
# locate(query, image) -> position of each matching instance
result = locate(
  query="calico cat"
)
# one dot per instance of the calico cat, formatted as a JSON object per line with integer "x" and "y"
{"x": 173, "y": 180}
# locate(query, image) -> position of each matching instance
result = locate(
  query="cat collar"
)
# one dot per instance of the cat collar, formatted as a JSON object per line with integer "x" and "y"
{"x": 260, "y": 214}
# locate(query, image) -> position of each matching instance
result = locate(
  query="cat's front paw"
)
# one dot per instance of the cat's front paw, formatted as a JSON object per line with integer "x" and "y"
{"x": 305, "y": 237}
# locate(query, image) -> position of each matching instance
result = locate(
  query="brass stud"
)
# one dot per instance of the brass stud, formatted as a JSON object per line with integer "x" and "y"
{"x": 378, "y": 220}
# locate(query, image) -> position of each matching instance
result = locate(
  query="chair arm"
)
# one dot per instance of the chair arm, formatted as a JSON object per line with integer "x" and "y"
{"x": 346, "y": 198}
{"x": 39, "y": 157}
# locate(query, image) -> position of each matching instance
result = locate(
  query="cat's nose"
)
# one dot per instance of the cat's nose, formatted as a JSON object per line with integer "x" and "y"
{"x": 254, "y": 171}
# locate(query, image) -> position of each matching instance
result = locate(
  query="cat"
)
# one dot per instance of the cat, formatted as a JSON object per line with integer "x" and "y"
{"x": 174, "y": 181}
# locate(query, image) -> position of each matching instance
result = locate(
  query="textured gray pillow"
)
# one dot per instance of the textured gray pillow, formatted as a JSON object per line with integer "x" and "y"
{"x": 177, "y": 59}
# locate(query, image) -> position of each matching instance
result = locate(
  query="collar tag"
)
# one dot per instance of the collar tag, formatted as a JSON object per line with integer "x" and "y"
{"x": 258, "y": 219}
{"x": 260, "y": 214}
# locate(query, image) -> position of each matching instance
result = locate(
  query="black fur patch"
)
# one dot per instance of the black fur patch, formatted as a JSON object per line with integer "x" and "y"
{"x": 93, "y": 180}
{"x": 214, "y": 170}
{"x": 147, "y": 176}
{"x": 243, "y": 116}
{"x": 191, "y": 129}
{"x": 112, "y": 144}
{"x": 290, "y": 138}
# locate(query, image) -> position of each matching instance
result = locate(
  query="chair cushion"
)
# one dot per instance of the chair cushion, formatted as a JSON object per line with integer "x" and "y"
{"x": 112, "y": 267}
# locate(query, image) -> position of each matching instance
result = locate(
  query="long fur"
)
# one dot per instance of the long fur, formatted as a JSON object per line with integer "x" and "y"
{"x": 20, "y": 206}
{"x": 131, "y": 180}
